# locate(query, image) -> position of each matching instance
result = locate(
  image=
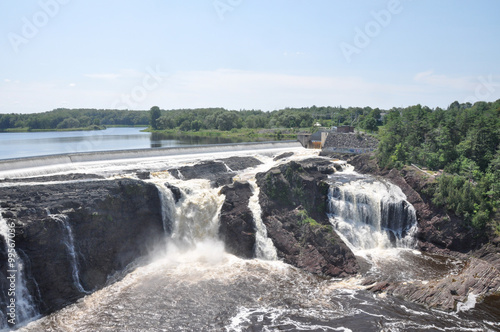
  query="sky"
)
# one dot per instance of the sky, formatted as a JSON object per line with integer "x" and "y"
{"x": 246, "y": 54}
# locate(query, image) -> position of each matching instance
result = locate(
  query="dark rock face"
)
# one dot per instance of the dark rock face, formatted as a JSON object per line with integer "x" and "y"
{"x": 438, "y": 230}
{"x": 219, "y": 172}
{"x": 143, "y": 175}
{"x": 283, "y": 156}
{"x": 478, "y": 277}
{"x": 237, "y": 226}
{"x": 293, "y": 200}
{"x": 113, "y": 223}
{"x": 240, "y": 163}
{"x": 443, "y": 233}
{"x": 175, "y": 191}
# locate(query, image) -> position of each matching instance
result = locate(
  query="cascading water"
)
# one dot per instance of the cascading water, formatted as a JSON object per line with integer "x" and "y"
{"x": 20, "y": 304}
{"x": 371, "y": 214}
{"x": 264, "y": 247}
{"x": 62, "y": 219}
{"x": 192, "y": 221}
{"x": 167, "y": 207}
{"x": 196, "y": 286}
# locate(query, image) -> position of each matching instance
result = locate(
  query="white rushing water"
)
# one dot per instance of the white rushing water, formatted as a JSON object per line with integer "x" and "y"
{"x": 264, "y": 247}
{"x": 69, "y": 242}
{"x": 194, "y": 285}
{"x": 372, "y": 214}
{"x": 24, "y": 308}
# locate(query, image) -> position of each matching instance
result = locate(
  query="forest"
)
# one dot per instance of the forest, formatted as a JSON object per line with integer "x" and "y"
{"x": 64, "y": 119}
{"x": 462, "y": 141}
{"x": 193, "y": 120}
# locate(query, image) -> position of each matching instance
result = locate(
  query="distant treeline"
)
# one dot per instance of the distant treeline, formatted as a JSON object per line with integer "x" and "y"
{"x": 464, "y": 141}
{"x": 195, "y": 119}
{"x": 62, "y": 118}
{"x": 222, "y": 119}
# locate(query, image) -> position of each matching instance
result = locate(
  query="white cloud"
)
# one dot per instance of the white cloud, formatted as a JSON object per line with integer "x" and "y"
{"x": 121, "y": 74}
{"x": 459, "y": 83}
{"x": 6, "y": 80}
{"x": 107, "y": 76}
{"x": 239, "y": 89}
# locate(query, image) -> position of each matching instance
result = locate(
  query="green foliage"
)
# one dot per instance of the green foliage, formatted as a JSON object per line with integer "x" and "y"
{"x": 305, "y": 219}
{"x": 154, "y": 114}
{"x": 463, "y": 140}
{"x": 63, "y": 118}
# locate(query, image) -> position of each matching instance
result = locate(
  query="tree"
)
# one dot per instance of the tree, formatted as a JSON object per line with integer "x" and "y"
{"x": 154, "y": 114}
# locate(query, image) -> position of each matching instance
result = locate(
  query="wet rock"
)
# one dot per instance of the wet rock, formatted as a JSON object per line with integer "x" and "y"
{"x": 237, "y": 227}
{"x": 175, "y": 191}
{"x": 478, "y": 278}
{"x": 441, "y": 232}
{"x": 113, "y": 223}
{"x": 143, "y": 175}
{"x": 240, "y": 163}
{"x": 214, "y": 171}
{"x": 219, "y": 172}
{"x": 283, "y": 156}
{"x": 293, "y": 198}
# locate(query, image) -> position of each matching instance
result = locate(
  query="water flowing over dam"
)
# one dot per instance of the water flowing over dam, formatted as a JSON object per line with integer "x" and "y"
{"x": 190, "y": 282}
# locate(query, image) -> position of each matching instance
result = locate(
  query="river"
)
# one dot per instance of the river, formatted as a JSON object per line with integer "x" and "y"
{"x": 192, "y": 284}
{"x": 31, "y": 144}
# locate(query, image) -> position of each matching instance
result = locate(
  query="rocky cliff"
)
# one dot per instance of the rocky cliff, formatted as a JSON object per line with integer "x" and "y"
{"x": 237, "y": 226}
{"x": 75, "y": 236}
{"x": 293, "y": 199}
{"x": 441, "y": 232}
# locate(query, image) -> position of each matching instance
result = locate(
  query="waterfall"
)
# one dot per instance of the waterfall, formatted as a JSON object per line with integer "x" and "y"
{"x": 62, "y": 219}
{"x": 20, "y": 305}
{"x": 372, "y": 214}
{"x": 264, "y": 247}
{"x": 192, "y": 219}
{"x": 167, "y": 207}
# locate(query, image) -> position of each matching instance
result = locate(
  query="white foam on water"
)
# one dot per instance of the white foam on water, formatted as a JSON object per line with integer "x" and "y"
{"x": 470, "y": 303}
{"x": 264, "y": 247}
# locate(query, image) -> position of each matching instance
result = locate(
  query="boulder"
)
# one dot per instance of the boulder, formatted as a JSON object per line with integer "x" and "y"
{"x": 293, "y": 198}
{"x": 237, "y": 227}
{"x": 478, "y": 279}
{"x": 219, "y": 172}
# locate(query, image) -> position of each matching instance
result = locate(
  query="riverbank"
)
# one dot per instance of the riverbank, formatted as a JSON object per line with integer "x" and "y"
{"x": 443, "y": 233}
{"x": 29, "y": 130}
{"x": 248, "y": 133}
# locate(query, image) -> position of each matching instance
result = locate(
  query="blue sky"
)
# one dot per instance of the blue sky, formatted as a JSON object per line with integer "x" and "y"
{"x": 246, "y": 54}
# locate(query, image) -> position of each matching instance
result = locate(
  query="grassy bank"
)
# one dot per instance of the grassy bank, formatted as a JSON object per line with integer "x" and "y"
{"x": 29, "y": 130}
{"x": 278, "y": 134}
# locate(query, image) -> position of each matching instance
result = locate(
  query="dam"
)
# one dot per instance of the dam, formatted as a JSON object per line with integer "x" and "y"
{"x": 23, "y": 166}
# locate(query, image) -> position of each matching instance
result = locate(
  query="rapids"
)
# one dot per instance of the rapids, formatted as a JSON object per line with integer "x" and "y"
{"x": 192, "y": 284}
